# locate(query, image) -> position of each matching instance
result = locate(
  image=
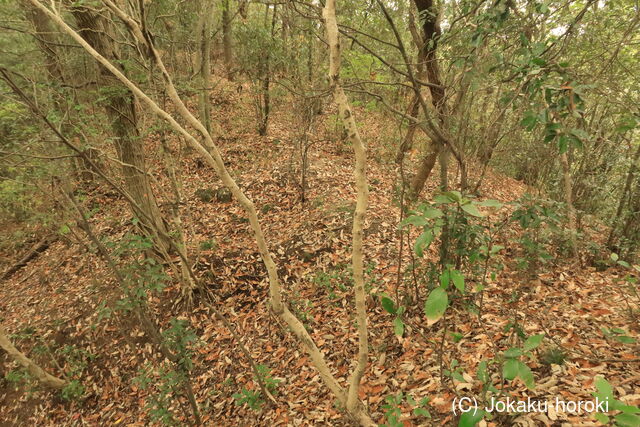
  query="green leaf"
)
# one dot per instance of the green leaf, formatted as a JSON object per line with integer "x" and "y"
{"x": 627, "y": 123}
{"x": 526, "y": 375}
{"x": 614, "y": 257}
{"x": 624, "y": 264}
{"x": 398, "y": 326}
{"x": 415, "y": 220}
{"x": 490, "y": 203}
{"x": 432, "y": 213}
{"x": 604, "y": 388}
{"x": 601, "y": 418}
{"x": 579, "y": 133}
{"x": 441, "y": 199}
{"x": 627, "y": 409}
{"x": 445, "y": 277}
{"x": 436, "y": 305}
{"x": 471, "y": 418}
{"x": 495, "y": 249}
{"x": 457, "y": 336}
{"x": 421, "y": 412}
{"x": 533, "y": 342}
{"x": 454, "y": 196}
{"x": 529, "y": 121}
{"x": 423, "y": 242}
{"x": 472, "y": 209}
{"x": 482, "y": 373}
{"x": 625, "y": 339}
{"x": 513, "y": 368}
{"x": 510, "y": 368}
{"x": 458, "y": 279}
{"x": 512, "y": 353}
{"x": 627, "y": 420}
{"x": 388, "y": 305}
{"x": 563, "y": 144}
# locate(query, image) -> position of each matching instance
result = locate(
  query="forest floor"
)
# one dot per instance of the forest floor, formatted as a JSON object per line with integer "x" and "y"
{"x": 54, "y": 299}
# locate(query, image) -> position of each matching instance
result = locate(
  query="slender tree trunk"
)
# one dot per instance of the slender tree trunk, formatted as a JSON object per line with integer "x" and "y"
{"x": 353, "y": 402}
{"x": 424, "y": 170}
{"x": 407, "y": 143}
{"x": 203, "y": 61}
{"x": 226, "y": 39}
{"x": 428, "y": 53}
{"x": 120, "y": 109}
{"x": 34, "y": 370}
{"x": 568, "y": 198}
{"x": 45, "y": 40}
{"x": 623, "y": 197}
{"x": 630, "y": 229}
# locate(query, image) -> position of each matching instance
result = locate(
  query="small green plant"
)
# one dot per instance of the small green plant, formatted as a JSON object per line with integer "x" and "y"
{"x": 171, "y": 379}
{"x": 514, "y": 367}
{"x": 253, "y": 398}
{"x": 630, "y": 283}
{"x": 300, "y": 308}
{"x": 465, "y": 248}
{"x": 76, "y": 363}
{"x": 393, "y": 412}
{"x": 269, "y": 382}
{"x": 167, "y": 382}
{"x": 74, "y": 390}
{"x": 455, "y": 371}
{"x": 390, "y": 307}
{"x": 541, "y": 223}
{"x": 208, "y": 245}
{"x": 337, "y": 278}
{"x": 16, "y": 377}
{"x": 249, "y": 397}
{"x": 25, "y": 333}
{"x": 628, "y": 415}
{"x": 553, "y": 356}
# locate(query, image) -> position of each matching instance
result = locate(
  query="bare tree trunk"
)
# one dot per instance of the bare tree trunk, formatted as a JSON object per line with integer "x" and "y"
{"x": 120, "y": 109}
{"x": 623, "y": 196}
{"x": 203, "y": 61}
{"x": 568, "y": 198}
{"x": 34, "y": 370}
{"x": 353, "y": 402}
{"x": 45, "y": 40}
{"x": 428, "y": 53}
{"x": 424, "y": 170}
{"x": 226, "y": 39}
{"x": 407, "y": 143}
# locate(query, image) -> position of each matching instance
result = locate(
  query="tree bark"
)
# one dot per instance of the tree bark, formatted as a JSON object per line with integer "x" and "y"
{"x": 34, "y": 370}
{"x": 354, "y": 406}
{"x": 226, "y": 39}
{"x": 120, "y": 109}
{"x": 428, "y": 54}
{"x": 203, "y": 61}
{"x": 623, "y": 196}
{"x": 568, "y": 198}
{"x": 424, "y": 170}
